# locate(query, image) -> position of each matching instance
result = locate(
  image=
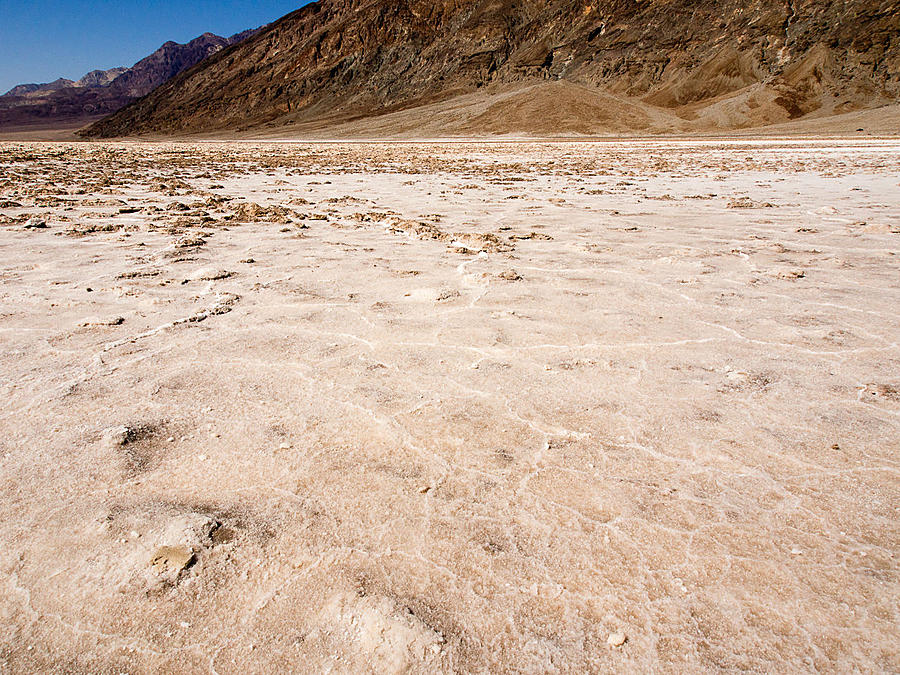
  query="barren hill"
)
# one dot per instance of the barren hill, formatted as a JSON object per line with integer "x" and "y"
{"x": 654, "y": 65}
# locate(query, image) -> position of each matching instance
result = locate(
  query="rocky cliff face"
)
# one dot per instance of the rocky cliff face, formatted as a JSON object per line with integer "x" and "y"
{"x": 102, "y": 92}
{"x": 725, "y": 64}
{"x": 100, "y": 78}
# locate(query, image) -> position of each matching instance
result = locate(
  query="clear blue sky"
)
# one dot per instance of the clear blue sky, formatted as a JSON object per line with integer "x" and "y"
{"x": 41, "y": 40}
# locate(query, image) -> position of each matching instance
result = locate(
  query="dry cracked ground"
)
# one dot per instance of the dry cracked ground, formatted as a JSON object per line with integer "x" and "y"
{"x": 461, "y": 407}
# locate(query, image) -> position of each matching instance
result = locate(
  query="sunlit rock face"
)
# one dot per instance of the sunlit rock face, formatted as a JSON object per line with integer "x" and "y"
{"x": 712, "y": 65}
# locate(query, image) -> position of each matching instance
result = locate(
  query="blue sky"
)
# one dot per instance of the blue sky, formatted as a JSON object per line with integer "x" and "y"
{"x": 42, "y": 40}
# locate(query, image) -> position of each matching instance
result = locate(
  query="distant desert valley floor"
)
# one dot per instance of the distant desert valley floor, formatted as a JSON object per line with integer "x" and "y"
{"x": 450, "y": 407}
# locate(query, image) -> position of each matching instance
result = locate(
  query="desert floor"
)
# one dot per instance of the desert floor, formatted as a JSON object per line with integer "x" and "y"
{"x": 450, "y": 407}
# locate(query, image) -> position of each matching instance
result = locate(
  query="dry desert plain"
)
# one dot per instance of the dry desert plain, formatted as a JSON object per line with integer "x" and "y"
{"x": 450, "y": 407}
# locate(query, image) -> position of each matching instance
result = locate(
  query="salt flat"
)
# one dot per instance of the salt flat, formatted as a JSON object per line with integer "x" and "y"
{"x": 450, "y": 407}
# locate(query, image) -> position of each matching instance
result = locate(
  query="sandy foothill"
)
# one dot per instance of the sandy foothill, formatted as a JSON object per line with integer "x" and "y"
{"x": 450, "y": 407}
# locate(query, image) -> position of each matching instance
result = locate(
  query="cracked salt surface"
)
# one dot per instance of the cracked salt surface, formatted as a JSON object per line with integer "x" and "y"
{"x": 604, "y": 426}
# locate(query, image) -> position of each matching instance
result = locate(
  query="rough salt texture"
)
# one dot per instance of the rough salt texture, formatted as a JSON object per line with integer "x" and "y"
{"x": 442, "y": 408}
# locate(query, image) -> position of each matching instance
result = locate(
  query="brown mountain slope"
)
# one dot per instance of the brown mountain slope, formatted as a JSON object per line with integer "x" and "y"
{"x": 728, "y": 64}
{"x": 541, "y": 107}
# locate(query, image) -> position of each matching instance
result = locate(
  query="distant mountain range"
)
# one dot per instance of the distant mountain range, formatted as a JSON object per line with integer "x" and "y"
{"x": 102, "y": 92}
{"x": 543, "y": 66}
{"x": 95, "y": 78}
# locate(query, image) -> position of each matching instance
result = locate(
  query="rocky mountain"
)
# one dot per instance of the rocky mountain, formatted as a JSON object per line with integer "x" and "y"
{"x": 102, "y": 92}
{"x": 100, "y": 78}
{"x": 169, "y": 60}
{"x": 26, "y": 89}
{"x": 668, "y": 64}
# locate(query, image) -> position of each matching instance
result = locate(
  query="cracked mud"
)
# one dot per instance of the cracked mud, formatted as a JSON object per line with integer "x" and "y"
{"x": 463, "y": 407}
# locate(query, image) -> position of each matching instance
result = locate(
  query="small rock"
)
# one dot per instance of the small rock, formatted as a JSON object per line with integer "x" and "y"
{"x": 178, "y": 544}
{"x": 93, "y": 321}
{"x": 510, "y": 275}
{"x": 189, "y": 242}
{"x": 36, "y": 224}
{"x": 617, "y": 639}
{"x": 118, "y": 436}
{"x": 209, "y": 274}
{"x": 531, "y": 235}
{"x": 171, "y": 560}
